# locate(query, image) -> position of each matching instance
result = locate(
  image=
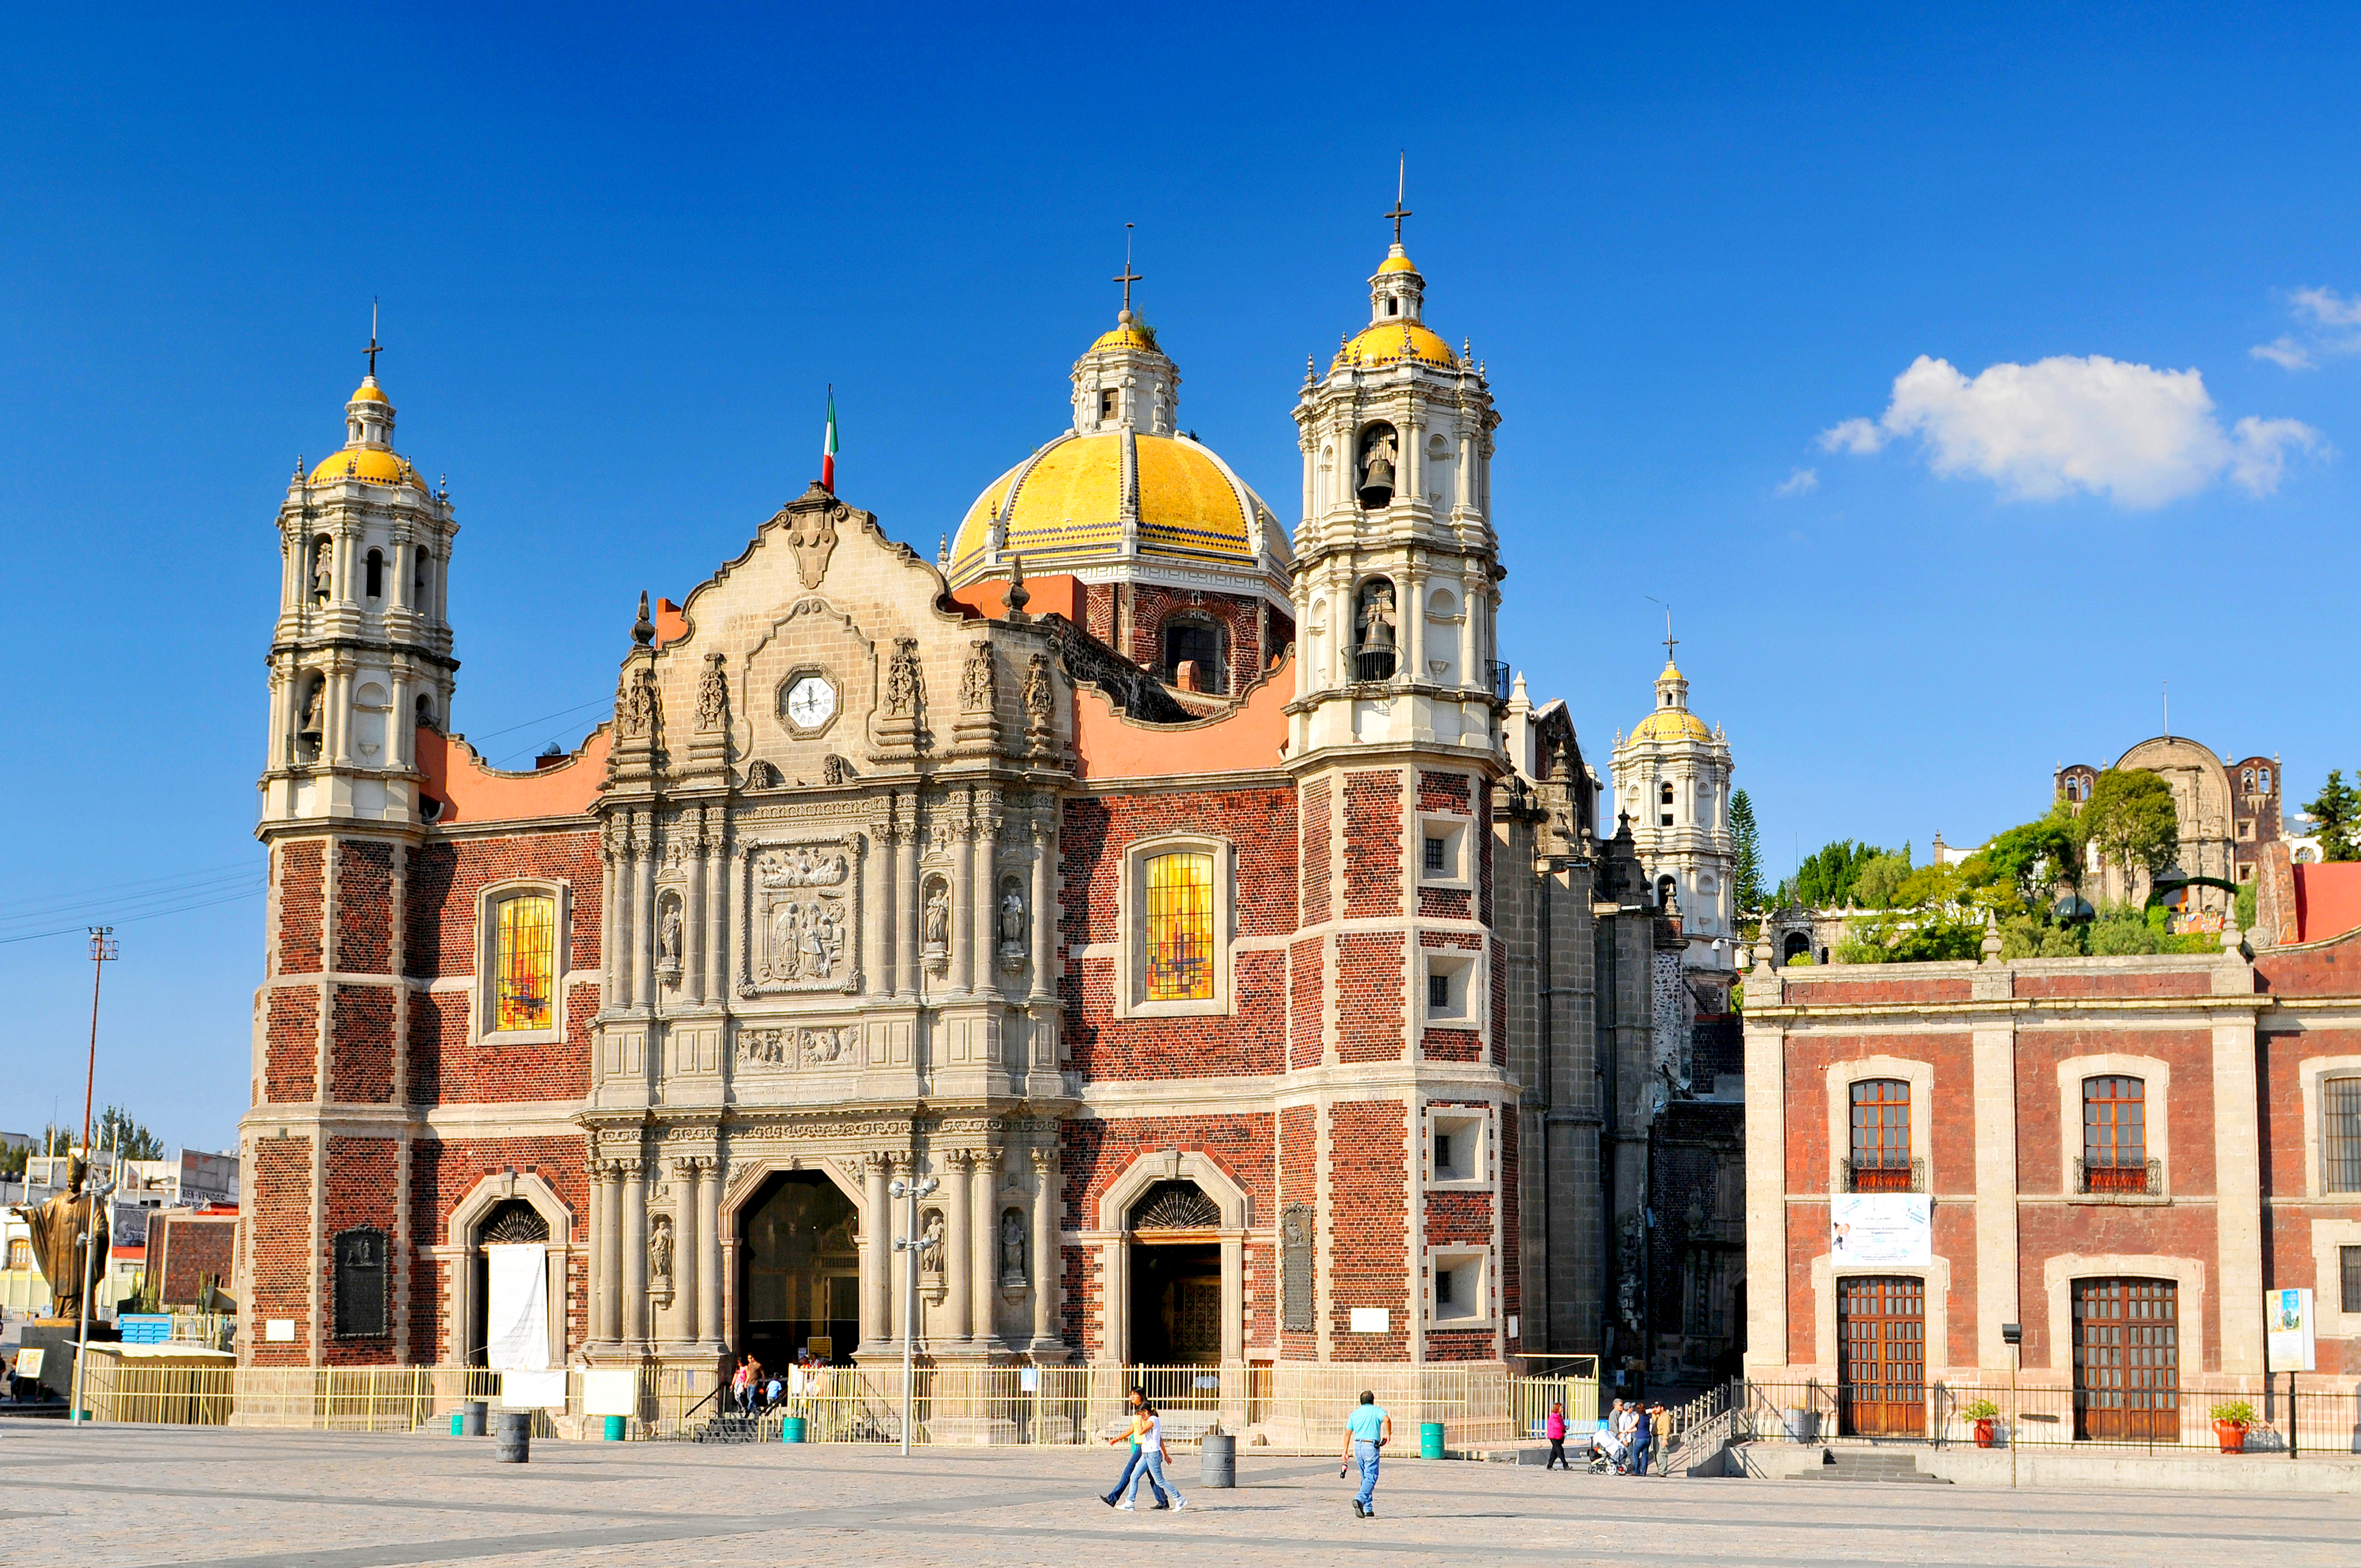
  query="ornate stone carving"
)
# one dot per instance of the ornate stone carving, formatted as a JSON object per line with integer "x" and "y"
{"x": 660, "y": 1259}
{"x": 712, "y": 695}
{"x": 980, "y": 679}
{"x": 637, "y": 706}
{"x": 1013, "y": 1275}
{"x": 801, "y": 918}
{"x": 825, "y": 1047}
{"x": 835, "y": 770}
{"x": 668, "y": 936}
{"x": 905, "y": 682}
{"x": 1016, "y": 928}
{"x": 812, "y": 536}
{"x": 1297, "y": 1306}
{"x": 1041, "y": 693}
{"x": 938, "y": 934}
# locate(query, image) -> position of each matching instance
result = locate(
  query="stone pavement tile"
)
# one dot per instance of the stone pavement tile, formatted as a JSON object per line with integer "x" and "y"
{"x": 128, "y": 1496}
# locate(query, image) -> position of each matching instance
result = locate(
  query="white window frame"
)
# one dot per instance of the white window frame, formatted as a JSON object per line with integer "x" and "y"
{"x": 1131, "y": 899}
{"x": 1471, "y": 1267}
{"x": 1470, "y": 1172}
{"x": 485, "y": 1004}
{"x": 2312, "y": 1073}
{"x": 1459, "y": 964}
{"x": 1454, "y": 833}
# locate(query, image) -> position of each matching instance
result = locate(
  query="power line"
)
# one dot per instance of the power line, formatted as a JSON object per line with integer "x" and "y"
{"x": 80, "y": 929}
{"x": 476, "y": 740}
{"x": 102, "y": 902}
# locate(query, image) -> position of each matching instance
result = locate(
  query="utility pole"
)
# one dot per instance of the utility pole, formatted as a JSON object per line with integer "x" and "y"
{"x": 913, "y": 1246}
{"x": 102, "y": 950}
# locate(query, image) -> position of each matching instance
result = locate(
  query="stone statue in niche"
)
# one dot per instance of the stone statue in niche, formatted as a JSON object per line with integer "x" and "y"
{"x": 904, "y": 681}
{"x": 660, "y": 1257}
{"x": 930, "y": 1244}
{"x": 1040, "y": 696}
{"x": 1011, "y": 1248}
{"x": 939, "y": 920}
{"x": 1012, "y": 928}
{"x": 712, "y": 694}
{"x": 980, "y": 680}
{"x": 668, "y": 937}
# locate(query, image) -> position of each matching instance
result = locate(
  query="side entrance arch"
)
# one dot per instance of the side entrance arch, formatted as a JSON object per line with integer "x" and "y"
{"x": 1173, "y": 1229}
{"x": 798, "y": 1285}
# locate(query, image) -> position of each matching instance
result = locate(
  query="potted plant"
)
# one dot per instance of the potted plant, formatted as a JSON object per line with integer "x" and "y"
{"x": 2231, "y": 1419}
{"x": 1981, "y": 1412}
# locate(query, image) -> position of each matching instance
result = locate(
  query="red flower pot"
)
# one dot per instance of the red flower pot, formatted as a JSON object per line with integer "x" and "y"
{"x": 2233, "y": 1436}
{"x": 1985, "y": 1433}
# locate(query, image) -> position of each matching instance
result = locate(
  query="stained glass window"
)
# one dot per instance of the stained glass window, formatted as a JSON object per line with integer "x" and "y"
{"x": 1180, "y": 934}
{"x": 523, "y": 962}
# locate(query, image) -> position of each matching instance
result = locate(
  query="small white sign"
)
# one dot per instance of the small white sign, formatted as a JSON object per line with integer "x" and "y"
{"x": 1372, "y": 1321}
{"x": 1880, "y": 1227}
{"x": 1512, "y": 1325}
{"x": 280, "y": 1331}
{"x": 533, "y": 1390}
{"x": 610, "y": 1391}
{"x": 2287, "y": 1341}
{"x": 29, "y": 1362}
{"x": 1029, "y": 1379}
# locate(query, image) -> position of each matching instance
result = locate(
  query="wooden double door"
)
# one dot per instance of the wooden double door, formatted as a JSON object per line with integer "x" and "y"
{"x": 2127, "y": 1360}
{"x": 1881, "y": 1356}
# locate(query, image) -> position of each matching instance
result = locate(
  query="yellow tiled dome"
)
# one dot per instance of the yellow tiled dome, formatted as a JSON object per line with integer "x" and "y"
{"x": 1395, "y": 342}
{"x": 368, "y": 391}
{"x": 1130, "y": 334}
{"x": 1396, "y": 263}
{"x": 1069, "y": 506}
{"x": 1670, "y": 724}
{"x": 372, "y": 464}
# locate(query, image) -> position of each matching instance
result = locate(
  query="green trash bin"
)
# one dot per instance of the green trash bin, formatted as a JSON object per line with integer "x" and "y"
{"x": 1430, "y": 1440}
{"x": 791, "y": 1429}
{"x": 615, "y": 1427}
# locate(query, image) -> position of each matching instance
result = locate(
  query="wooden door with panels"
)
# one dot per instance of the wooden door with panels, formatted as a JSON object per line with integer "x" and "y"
{"x": 1881, "y": 1356}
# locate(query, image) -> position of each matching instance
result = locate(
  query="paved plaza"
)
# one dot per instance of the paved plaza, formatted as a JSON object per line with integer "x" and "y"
{"x": 120, "y": 1495}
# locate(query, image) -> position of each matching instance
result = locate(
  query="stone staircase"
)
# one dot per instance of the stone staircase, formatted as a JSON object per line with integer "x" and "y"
{"x": 1868, "y": 1465}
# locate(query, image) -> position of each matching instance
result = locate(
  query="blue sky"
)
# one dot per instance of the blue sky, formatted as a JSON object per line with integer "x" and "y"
{"x": 623, "y": 253}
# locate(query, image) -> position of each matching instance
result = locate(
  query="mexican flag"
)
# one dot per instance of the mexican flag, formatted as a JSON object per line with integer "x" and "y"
{"x": 827, "y": 448}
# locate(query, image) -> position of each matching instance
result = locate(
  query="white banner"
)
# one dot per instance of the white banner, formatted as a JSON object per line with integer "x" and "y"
{"x": 2288, "y": 1343}
{"x": 610, "y": 1391}
{"x": 533, "y": 1390}
{"x": 516, "y": 1316}
{"x": 1881, "y": 1227}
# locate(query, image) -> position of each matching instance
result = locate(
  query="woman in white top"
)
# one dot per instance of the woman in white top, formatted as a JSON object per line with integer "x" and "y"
{"x": 1147, "y": 1430}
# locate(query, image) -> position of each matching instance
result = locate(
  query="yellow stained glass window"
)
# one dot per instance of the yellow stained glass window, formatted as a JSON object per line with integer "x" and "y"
{"x": 1180, "y": 935}
{"x": 523, "y": 964}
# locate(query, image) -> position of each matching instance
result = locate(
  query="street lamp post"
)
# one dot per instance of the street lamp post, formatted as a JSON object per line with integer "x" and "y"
{"x": 914, "y": 1246}
{"x": 102, "y": 947}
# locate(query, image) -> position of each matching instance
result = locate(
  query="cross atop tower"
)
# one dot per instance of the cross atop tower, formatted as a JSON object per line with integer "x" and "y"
{"x": 1669, "y": 638}
{"x": 372, "y": 350}
{"x": 1402, "y": 178}
{"x": 1127, "y": 277}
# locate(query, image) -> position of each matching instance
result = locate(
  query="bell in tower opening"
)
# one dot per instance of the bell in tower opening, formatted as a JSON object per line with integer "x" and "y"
{"x": 1380, "y": 449}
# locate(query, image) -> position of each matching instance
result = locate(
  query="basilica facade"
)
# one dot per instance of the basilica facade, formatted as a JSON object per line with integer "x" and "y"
{"x": 1185, "y": 901}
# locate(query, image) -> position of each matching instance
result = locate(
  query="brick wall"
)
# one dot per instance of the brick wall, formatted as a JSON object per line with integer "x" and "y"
{"x": 445, "y": 878}
{"x": 1307, "y": 1007}
{"x": 447, "y": 1067}
{"x": 1316, "y": 830}
{"x": 1368, "y": 1230}
{"x": 184, "y": 1248}
{"x": 291, "y": 1051}
{"x": 1299, "y": 1182}
{"x": 364, "y": 1181}
{"x": 1240, "y": 619}
{"x": 279, "y": 1247}
{"x": 364, "y": 908}
{"x": 360, "y": 1065}
{"x": 302, "y": 894}
{"x": 1373, "y": 870}
{"x": 1369, "y": 996}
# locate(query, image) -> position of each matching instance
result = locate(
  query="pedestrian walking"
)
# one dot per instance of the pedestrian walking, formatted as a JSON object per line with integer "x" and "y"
{"x": 1660, "y": 1420}
{"x": 1367, "y": 1430}
{"x": 1147, "y": 1431}
{"x": 1137, "y": 1401}
{"x": 1643, "y": 1440}
{"x": 1555, "y": 1430}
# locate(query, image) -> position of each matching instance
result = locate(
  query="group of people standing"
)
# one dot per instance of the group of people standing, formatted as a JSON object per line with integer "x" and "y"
{"x": 755, "y": 1388}
{"x": 1631, "y": 1434}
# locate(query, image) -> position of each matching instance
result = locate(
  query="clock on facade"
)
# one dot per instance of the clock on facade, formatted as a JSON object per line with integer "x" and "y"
{"x": 810, "y": 702}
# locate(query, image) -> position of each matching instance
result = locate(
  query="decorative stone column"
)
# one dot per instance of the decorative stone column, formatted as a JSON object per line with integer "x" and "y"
{"x": 609, "y": 1329}
{"x": 910, "y": 901}
{"x": 1045, "y": 914}
{"x": 876, "y": 1252}
{"x": 983, "y": 892}
{"x": 688, "y": 1287}
{"x": 986, "y": 1231}
{"x": 717, "y": 909}
{"x": 963, "y": 931}
{"x": 635, "y": 1254}
{"x": 708, "y": 1257}
{"x": 1048, "y": 1255}
{"x": 959, "y": 1238}
{"x": 627, "y": 909}
{"x": 693, "y": 924}
{"x": 643, "y": 932}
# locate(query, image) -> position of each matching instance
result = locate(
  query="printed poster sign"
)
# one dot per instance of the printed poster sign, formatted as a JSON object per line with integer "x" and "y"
{"x": 1881, "y": 1228}
{"x": 2288, "y": 1330}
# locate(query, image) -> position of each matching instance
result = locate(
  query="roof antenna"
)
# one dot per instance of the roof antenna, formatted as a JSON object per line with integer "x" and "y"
{"x": 2168, "y": 710}
{"x": 372, "y": 350}
{"x": 1401, "y": 179}
{"x": 1127, "y": 278}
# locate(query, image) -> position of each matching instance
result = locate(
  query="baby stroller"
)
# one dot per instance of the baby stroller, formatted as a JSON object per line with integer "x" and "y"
{"x": 1607, "y": 1455}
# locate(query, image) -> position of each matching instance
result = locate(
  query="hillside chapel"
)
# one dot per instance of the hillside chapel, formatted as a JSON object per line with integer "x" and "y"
{"x": 1196, "y": 899}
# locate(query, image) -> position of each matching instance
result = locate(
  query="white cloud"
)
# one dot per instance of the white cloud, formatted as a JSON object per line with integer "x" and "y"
{"x": 1802, "y": 482}
{"x": 2329, "y": 321}
{"x": 2135, "y": 434}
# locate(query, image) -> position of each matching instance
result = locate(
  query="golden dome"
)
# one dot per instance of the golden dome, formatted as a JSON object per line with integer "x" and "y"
{"x": 368, "y": 391}
{"x": 373, "y": 463}
{"x": 1069, "y": 506}
{"x": 1670, "y": 724}
{"x": 1397, "y": 343}
{"x": 1396, "y": 262}
{"x": 1128, "y": 334}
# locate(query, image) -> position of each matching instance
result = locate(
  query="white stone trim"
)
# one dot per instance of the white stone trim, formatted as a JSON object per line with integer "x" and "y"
{"x": 2310, "y": 1071}
{"x": 2058, "y": 1276}
{"x": 1843, "y": 1075}
{"x": 1113, "y": 1237}
{"x": 2328, "y": 1278}
{"x": 480, "y": 1008}
{"x": 1132, "y": 921}
{"x": 458, "y": 1250}
{"x": 2154, "y": 1072}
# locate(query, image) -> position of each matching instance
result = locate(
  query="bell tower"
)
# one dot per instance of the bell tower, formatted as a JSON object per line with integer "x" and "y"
{"x": 361, "y": 653}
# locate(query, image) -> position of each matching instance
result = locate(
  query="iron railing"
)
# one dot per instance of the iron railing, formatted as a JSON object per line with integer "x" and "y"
{"x": 1372, "y": 660}
{"x": 1499, "y": 676}
{"x": 2321, "y": 1415}
{"x": 1885, "y": 1176}
{"x": 2102, "y": 1178}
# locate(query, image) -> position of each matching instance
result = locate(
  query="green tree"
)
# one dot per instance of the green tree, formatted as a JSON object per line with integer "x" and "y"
{"x": 118, "y": 1131}
{"x": 2131, "y": 819}
{"x": 2024, "y": 863}
{"x": 2336, "y": 818}
{"x": 1748, "y": 841}
{"x": 1827, "y": 878}
{"x": 1879, "y": 881}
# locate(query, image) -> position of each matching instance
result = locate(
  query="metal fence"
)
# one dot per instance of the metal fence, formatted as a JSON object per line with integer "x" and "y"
{"x": 2318, "y": 1416}
{"x": 1281, "y": 1409}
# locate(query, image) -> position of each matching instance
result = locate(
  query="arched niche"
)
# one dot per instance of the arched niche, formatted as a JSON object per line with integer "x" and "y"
{"x": 1121, "y": 1244}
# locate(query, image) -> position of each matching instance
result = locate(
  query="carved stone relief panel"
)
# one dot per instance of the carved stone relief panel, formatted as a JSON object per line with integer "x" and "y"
{"x": 800, "y": 1047}
{"x": 802, "y": 922}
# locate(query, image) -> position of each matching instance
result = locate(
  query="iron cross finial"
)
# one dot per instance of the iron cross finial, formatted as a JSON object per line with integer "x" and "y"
{"x": 1401, "y": 179}
{"x": 372, "y": 350}
{"x": 1127, "y": 277}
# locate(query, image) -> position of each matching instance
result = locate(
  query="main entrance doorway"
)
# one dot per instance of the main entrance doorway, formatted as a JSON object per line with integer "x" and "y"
{"x": 798, "y": 1271}
{"x": 1881, "y": 1356}
{"x": 1176, "y": 1277}
{"x": 2127, "y": 1360}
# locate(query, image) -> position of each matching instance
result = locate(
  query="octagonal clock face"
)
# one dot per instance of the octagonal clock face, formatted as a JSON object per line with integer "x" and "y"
{"x": 811, "y": 702}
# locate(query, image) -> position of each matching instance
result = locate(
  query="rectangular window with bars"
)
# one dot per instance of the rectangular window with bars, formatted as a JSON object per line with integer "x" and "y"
{"x": 525, "y": 963}
{"x": 2349, "y": 1264}
{"x": 1437, "y": 854}
{"x": 1179, "y": 928}
{"x": 2114, "y": 1134}
{"x": 1881, "y": 1135}
{"x": 2340, "y": 1134}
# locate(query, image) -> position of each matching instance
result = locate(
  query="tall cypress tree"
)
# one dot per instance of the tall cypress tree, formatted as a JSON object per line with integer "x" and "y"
{"x": 1749, "y": 852}
{"x": 2333, "y": 819}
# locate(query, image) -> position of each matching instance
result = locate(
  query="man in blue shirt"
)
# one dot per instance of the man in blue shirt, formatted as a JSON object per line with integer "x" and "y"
{"x": 1367, "y": 1430}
